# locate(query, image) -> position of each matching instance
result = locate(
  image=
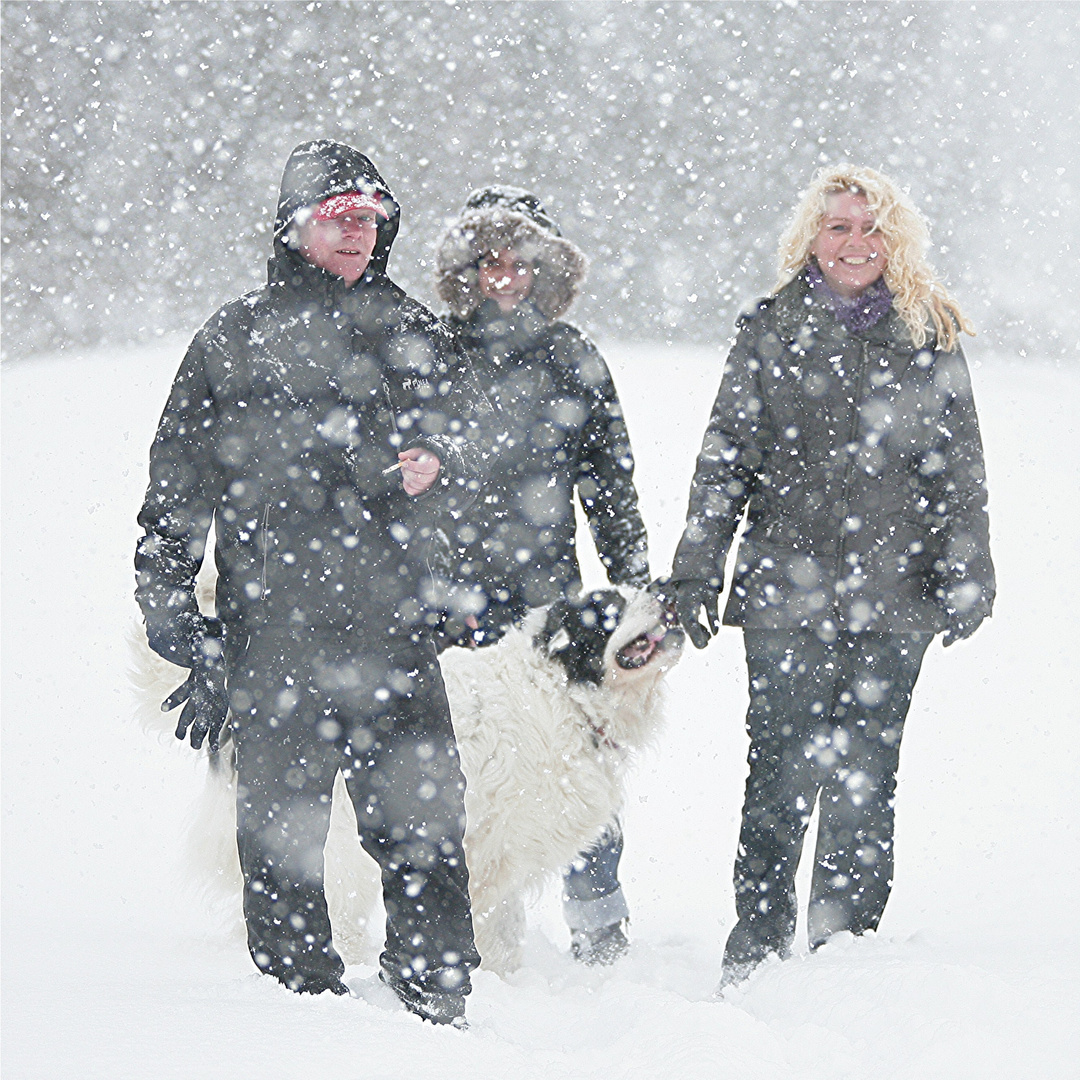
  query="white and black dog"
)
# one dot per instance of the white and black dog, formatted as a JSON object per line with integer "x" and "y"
{"x": 546, "y": 720}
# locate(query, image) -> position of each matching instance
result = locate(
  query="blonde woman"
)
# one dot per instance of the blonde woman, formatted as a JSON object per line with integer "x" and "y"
{"x": 846, "y": 429}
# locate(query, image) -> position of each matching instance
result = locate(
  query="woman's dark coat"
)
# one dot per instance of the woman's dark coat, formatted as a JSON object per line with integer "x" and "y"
{"x": 859, "y": 460}
{"x": 560, "y": 426}
{"x": 290, "y": 403}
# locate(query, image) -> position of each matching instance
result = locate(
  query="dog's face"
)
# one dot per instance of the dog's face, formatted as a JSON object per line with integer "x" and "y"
{"x": 610, "y": 635}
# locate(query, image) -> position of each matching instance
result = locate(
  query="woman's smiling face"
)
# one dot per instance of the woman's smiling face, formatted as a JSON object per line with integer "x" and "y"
{"x": 506, "y": 278}
{"x": 848, "y": 248}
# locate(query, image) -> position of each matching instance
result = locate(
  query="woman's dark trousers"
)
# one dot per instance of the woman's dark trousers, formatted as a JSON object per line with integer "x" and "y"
{"x": 306, "y": 705}
{"x": 826, "y": 718}
{"x": 592, "y": 895}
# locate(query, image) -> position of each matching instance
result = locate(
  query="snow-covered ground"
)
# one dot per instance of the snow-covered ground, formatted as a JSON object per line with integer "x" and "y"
{"x": 112, "y": 968}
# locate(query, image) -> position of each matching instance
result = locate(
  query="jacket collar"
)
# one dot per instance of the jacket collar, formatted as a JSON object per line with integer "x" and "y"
{"x": 286, "y": 269}
{"x": 505, "y": 336}
{"x": 797, "y": 309}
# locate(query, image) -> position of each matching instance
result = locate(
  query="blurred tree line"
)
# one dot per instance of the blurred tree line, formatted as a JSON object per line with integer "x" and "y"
{"x": 143, "y": 144}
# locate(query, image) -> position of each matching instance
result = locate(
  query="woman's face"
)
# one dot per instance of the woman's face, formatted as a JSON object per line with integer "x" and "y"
{"x": 506, "y": 278}
{"x": 849, "y": 250}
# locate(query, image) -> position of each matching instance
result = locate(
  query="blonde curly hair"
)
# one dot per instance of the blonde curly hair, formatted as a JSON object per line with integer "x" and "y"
{"x": 918, "y": 296}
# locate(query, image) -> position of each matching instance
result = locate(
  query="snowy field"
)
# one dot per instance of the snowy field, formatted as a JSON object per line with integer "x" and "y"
{"x": 113, "y": 968}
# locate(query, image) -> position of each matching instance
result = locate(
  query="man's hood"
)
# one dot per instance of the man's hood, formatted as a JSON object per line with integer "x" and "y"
{"x": 315, "y": 171}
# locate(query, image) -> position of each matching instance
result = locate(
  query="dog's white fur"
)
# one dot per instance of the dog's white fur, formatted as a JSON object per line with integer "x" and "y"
{"x": 545, "y": 762}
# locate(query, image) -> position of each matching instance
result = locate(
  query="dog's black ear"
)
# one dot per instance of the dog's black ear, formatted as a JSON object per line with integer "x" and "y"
{"x": 576, "y": 633}
{"x": 555, "y": 621}
{"x": 559, "y": 641}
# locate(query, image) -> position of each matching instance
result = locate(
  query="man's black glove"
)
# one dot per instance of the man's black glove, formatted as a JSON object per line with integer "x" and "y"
{"x": 689, "y": 597}
{"x": 207, "y": 703}
{"x": 961, "y": 627}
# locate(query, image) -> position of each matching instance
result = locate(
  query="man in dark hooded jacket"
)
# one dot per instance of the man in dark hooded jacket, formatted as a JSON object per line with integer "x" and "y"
{"x": 325, "y": 424}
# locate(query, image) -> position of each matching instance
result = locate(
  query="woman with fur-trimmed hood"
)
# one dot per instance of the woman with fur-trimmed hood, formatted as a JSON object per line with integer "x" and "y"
{"x": 508, "y": 276}
{"x": 845, "y": 429}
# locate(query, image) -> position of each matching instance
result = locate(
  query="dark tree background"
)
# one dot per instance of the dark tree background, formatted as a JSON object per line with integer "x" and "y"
{"x": 143, "y": 143}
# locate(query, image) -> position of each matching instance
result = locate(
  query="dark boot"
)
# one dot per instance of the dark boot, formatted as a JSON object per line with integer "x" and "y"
{"x": 435, "y": 1006}
{"x": 603, "y": 946}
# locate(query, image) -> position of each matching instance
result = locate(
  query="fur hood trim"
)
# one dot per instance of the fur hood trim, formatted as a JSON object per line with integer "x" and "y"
{"x": 560, "y": 265}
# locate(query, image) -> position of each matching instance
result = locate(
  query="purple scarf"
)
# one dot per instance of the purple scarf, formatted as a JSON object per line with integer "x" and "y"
{"x": 859, "y": 313}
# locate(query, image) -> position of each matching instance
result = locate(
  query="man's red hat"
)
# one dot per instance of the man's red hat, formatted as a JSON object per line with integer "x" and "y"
{"x": 337, "y": 205}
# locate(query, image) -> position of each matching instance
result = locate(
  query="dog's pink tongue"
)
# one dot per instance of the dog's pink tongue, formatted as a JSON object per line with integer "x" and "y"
{"x": 641, "y": 648}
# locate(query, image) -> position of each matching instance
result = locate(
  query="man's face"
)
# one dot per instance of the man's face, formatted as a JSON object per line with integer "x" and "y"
{"x": 342, "y": 245}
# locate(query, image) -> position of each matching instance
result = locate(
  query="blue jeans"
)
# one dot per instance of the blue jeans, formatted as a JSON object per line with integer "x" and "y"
{"x": 592, "y": 895}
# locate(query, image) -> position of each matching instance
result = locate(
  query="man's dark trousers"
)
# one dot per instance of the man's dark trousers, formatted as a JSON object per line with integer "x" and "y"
{"x": 306, "y": 705}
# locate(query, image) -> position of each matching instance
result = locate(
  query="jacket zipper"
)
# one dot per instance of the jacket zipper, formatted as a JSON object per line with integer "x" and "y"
{"x": 390, "y": 406}
{"x": 266, "y": 550}
{"x": 849, "y": 468}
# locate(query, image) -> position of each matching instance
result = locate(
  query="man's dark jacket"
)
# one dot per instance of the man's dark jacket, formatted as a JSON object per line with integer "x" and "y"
{"x": 290, "y": 403}
{"x": 859, "y": 462}
{"x": 561, "y": 426}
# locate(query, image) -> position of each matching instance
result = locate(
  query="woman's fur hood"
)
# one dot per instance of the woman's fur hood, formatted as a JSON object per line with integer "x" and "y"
{"x": 500, "y": 218}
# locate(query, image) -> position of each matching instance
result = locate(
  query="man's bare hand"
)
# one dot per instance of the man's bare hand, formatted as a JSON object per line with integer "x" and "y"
{"x": 419, "y": 470}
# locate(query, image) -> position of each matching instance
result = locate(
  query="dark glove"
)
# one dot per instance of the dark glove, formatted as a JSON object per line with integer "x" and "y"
{"x": 960, "y": 628}
{"x": 690, "y": 596}
{"x": 207, "y": 706}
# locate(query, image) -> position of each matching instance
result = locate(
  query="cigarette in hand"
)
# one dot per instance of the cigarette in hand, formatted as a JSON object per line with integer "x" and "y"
{"x": 393, "y": 468}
